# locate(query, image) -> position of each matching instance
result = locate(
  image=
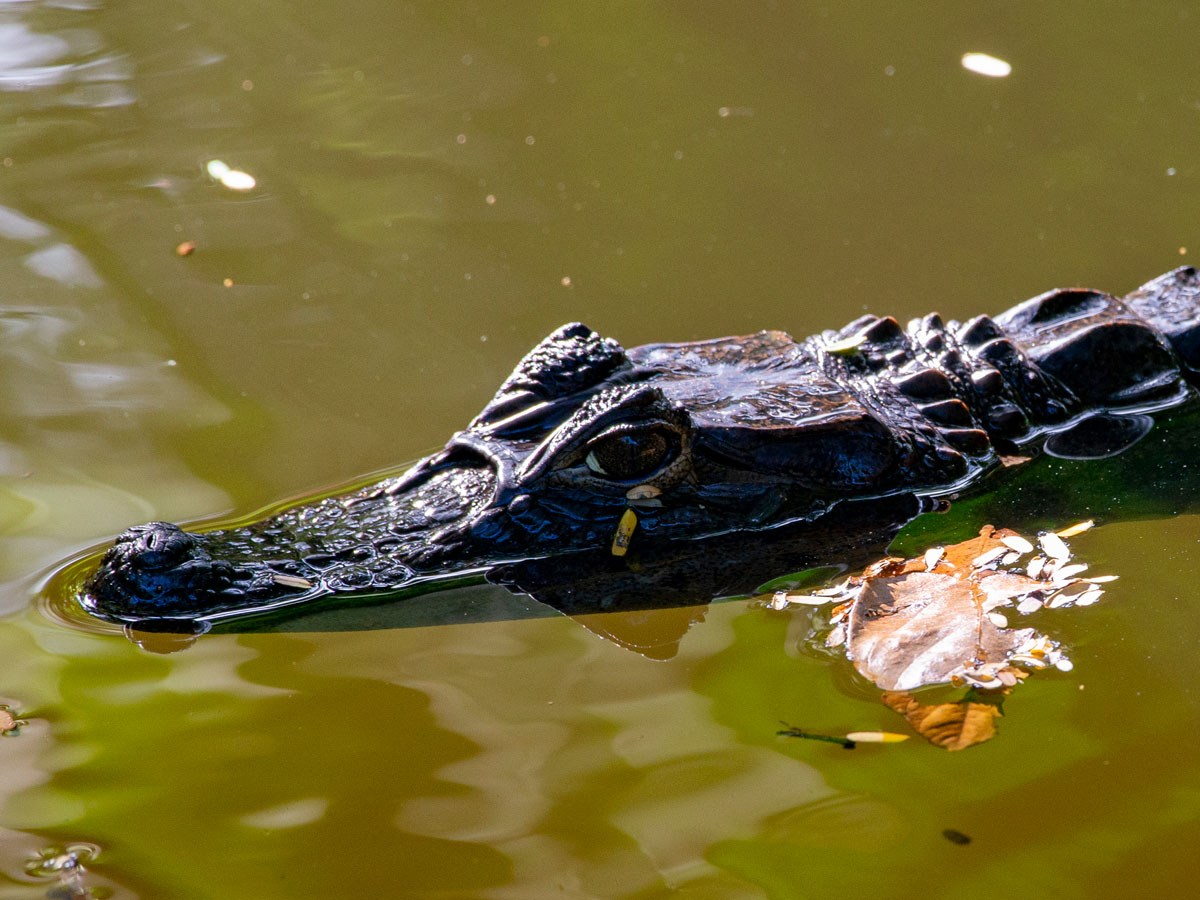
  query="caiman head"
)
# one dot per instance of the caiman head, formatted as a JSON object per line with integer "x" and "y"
{"x": 696, "y": 439}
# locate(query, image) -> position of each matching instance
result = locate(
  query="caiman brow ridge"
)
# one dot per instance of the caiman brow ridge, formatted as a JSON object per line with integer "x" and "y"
{"x": 761, "y": 433}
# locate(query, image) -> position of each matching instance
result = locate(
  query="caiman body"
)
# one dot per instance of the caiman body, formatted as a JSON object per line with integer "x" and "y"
{"x": 735, "y": 435}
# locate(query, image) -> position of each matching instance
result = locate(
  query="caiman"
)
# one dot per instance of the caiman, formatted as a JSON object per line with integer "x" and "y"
{"x": 592, "y": 452}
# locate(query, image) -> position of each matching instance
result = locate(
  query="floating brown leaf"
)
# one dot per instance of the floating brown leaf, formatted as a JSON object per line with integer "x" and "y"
{"x": 7, "y": 721}
{"x": 931, "y": 619}
{"x": 952, "y": 726}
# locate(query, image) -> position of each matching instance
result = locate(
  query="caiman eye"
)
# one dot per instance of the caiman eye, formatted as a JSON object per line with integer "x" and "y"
{"x": 631, "y": 455}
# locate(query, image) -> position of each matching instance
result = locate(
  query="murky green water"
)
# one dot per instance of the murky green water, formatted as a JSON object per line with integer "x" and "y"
{"x": 439, "y": 185}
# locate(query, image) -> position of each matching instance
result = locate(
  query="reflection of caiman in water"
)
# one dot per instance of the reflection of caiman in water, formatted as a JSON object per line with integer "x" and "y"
{"x": 776, "y": 451}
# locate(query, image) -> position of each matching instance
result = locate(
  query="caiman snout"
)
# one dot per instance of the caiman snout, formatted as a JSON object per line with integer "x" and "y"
{"x": 158, "y": 569}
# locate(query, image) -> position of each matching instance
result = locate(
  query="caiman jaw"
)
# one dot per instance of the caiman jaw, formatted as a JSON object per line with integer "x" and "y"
{"x": 376, "y": 539}
{"x": 159, "y": 570}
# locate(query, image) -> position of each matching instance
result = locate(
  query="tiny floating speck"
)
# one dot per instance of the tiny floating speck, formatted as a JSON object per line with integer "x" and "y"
{"x": 624, "y": 533}
{"x": 985, "y": 64}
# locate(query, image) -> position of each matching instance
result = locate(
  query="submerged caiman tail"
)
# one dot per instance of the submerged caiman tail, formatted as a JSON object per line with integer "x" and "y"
{"x": 697, "y": 439}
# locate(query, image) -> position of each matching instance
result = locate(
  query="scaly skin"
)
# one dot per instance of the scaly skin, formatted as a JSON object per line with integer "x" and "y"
{"x": 702, "y": 439}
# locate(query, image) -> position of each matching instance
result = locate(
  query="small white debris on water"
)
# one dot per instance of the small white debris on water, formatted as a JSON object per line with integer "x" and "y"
{"x": 234, "y": 179}
{"x": 985, "y": 64}
{"x": 1076, "y": 529}
{"x": 1029, "y": 605}
{"x": 1018, "y": 543}
{"x": 837, "y": 591}
{"x": 808, "y": 599}
{"x": 1053, "y": 545}
{"x": 292, "y": 581}
{"x": 1065, "y": 572}
{"x": 988, "y": 558}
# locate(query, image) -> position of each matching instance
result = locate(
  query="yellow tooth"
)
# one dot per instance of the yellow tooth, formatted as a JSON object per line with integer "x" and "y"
{"x": 624, "y": 533}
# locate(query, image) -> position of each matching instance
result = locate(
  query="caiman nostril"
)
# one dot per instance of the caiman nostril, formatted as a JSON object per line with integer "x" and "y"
{"x": 157, "y": 545}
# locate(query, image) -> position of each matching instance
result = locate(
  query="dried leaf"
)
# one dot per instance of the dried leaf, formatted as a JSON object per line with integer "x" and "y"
{"x": 7, "y": 721}
{"x": 1009, "y": 461}
{"x": 906, "y": 626}
{"x": 952, "y": 726}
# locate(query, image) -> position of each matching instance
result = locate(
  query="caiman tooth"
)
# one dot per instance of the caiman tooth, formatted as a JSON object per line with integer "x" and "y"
{"x": 1007, "y": 420}
{"x": 884, "y": 330}
{"x": 987, "y": 380}
{"x": 971, "y": 441}
{"x": 927, "y": 384}
{"x": 978, "y": 331}
{"x": 948, "y": 412}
